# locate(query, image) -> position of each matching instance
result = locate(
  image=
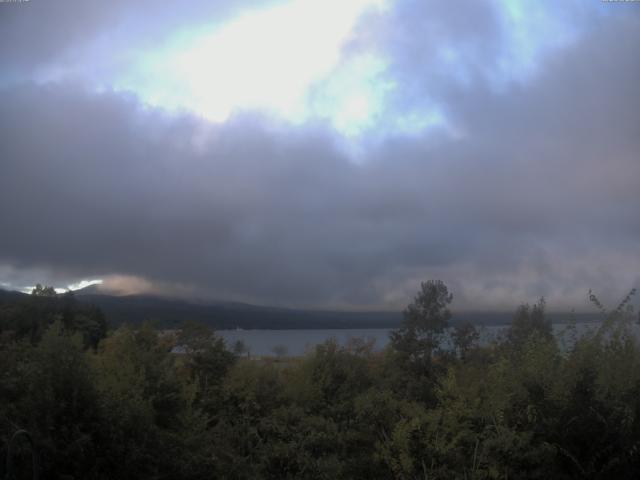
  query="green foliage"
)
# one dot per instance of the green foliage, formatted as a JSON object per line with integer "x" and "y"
{"x": 42, "y": 291}
{"x": 206, "y": 356}
{"x": 418, "y": 340}
{"x": 464, "y": 337}
{"x": 49, "y": 391}
{"x": 29, "y": 316}
{"x": 425, "y": 320}
{"x": 144, "y": 401}
{"x": 240, "y": 348}
{"x": 528, "y": 321}
{"x": 148, "y": 405}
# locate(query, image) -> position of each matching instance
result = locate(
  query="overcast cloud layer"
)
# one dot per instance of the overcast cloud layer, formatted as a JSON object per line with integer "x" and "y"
{"x": 527, "y": 185}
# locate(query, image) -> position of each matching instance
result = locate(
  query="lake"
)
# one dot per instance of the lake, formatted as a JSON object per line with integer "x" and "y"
{"x": 299, "y": 342}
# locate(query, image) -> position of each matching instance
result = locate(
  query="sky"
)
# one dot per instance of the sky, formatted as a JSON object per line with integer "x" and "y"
{"x": 322, "y": 153}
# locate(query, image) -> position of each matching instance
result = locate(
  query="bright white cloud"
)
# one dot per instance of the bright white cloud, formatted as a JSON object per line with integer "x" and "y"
{"x": 74, "y": 286}
{"x": 352, "y": 98}
{"x": 265, "y": 60}
{"x": 290, "y": 60}
{"x": 84, "y": 284}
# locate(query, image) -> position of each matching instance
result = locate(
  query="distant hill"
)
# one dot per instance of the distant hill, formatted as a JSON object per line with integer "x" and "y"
{"x": 10, "y": 295}
{"x": 171, "y": 313}
{"x": 221, "y": 316}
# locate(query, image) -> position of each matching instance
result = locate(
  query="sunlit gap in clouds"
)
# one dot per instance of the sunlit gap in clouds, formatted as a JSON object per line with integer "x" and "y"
{"x": 71, "y": 287}
{"x": 284, "y": 60}
{"x": 291, "y": 61}
{"x": 531, "y": 30}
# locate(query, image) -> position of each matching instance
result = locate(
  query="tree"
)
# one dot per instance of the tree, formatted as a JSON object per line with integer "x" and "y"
{"x": 464, "y": 336}
{"x": 280, "y": 350}
{"x": 240, "y": 347}
{"x": 529, "y": 320}
{"x": 40, "y": 291}
{"x": 425, "y": 319}
{"x": 206, "y": 360}
{"x": 411, "y": 367}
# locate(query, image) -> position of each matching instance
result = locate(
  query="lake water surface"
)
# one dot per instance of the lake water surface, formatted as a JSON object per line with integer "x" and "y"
{"x": 299, "y": 342}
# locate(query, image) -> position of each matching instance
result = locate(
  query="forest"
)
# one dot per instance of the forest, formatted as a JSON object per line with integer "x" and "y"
{"x": 81, "y": 400}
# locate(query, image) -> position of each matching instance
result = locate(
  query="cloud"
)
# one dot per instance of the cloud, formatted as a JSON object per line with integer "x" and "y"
{"x": 46, "y": 37}
{"x": 535, "y": 193}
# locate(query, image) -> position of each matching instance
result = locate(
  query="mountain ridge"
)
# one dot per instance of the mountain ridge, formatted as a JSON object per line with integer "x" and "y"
{"x": 169, "y": 312}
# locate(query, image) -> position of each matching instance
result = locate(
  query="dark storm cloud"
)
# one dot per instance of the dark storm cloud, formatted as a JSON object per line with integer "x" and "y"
{"x": 536, "y": 193}
{"x": 416, "y": 35}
